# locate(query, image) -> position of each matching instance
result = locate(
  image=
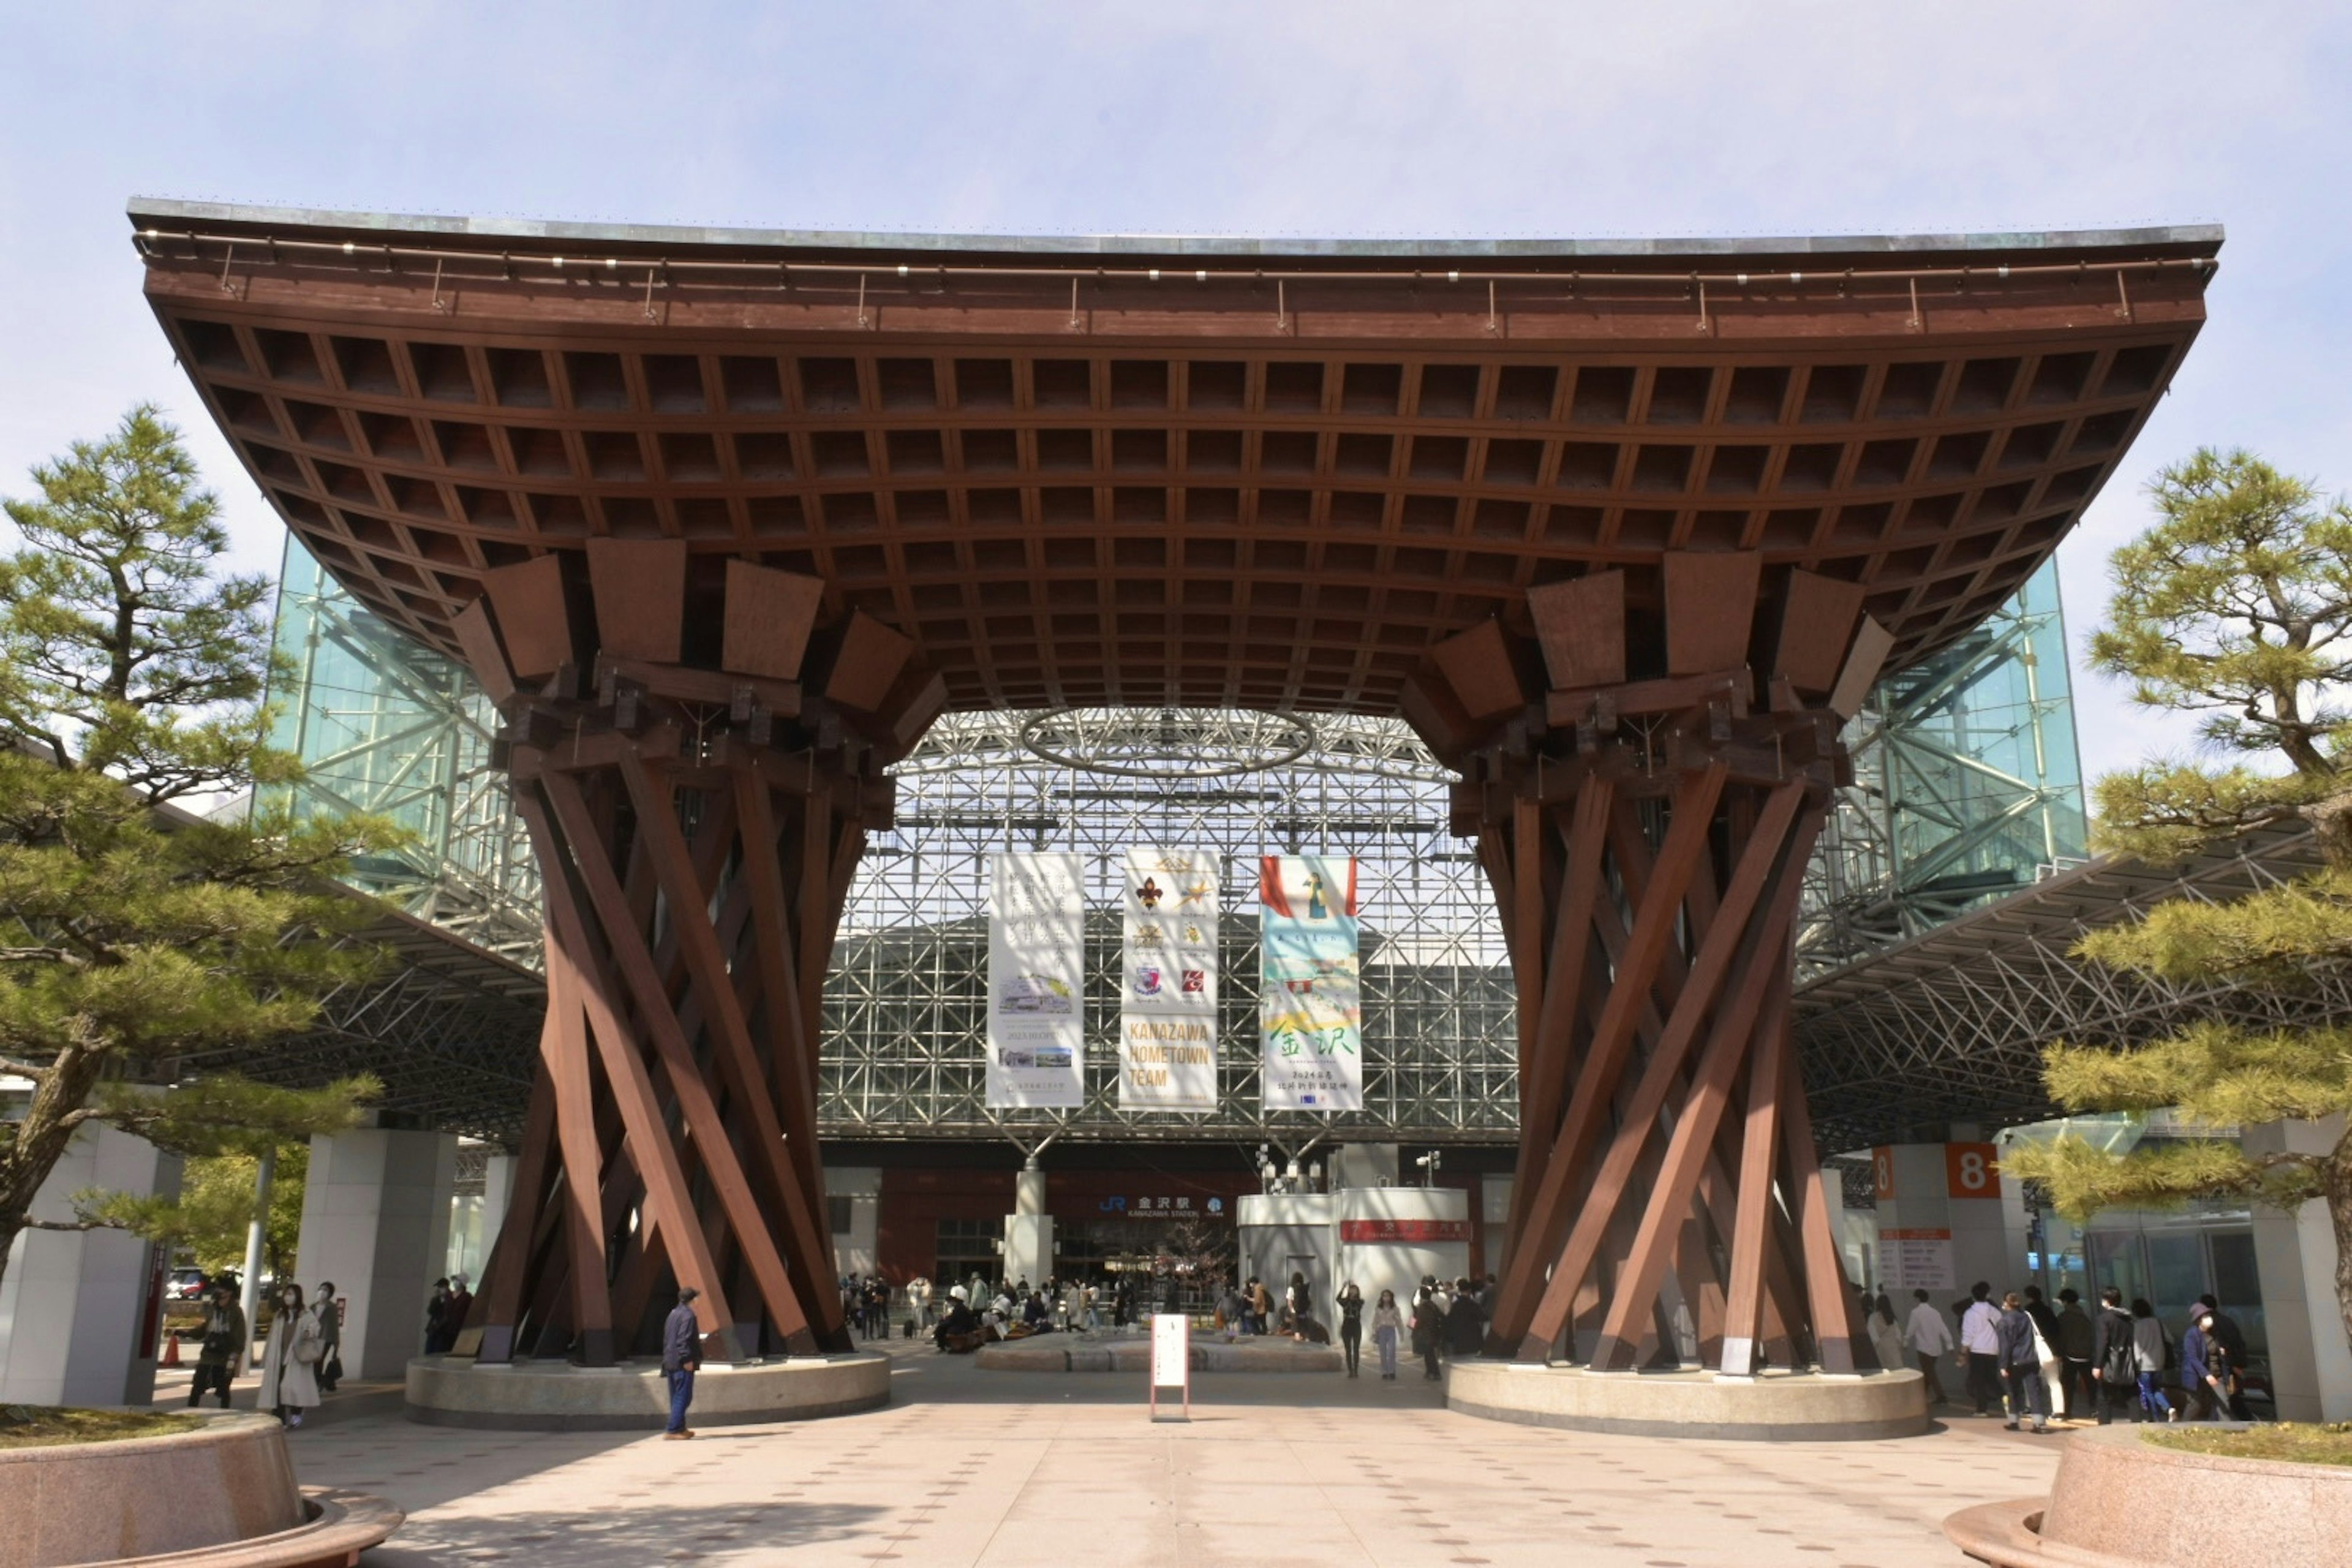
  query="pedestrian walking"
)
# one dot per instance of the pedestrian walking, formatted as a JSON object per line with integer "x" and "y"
{"x": 2225, "y": 1332}
{"x": 329, "y": 1313}
{"x": 1886, "y": 1335}
{"x": 1297, "y": 1309}
{"x": 1388, "y": 1327}
{"x": 2023, "y": 1390}
{"x": 2075, "y": 1343}
{"x": 681, "y": 1359}
{"x": 1930, "y": 1340}
{"x": 223, "y": 1342}
{"x": 2112, "y": 1360}
{"x": 1352, "y": 1323}
{"x": 1980, "y": 1343}
{"x": 290, "y": 1379}
{"x": 2150, "y": 1351}
{"x": 2205, "y": 1371}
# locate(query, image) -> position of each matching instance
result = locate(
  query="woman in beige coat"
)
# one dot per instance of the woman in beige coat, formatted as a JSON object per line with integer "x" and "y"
{"x": 290, "y": 1366}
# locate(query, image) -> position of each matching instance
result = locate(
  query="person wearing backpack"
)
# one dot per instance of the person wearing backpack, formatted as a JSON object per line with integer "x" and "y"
{"x": 2114, "y": 1370}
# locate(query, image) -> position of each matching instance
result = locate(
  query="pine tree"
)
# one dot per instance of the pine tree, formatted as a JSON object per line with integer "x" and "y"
{"x": 2236, "y": 604}
{"x": 133, "y": 675}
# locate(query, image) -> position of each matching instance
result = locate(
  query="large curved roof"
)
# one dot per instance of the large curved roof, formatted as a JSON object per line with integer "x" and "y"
{"x": 1155, "y": 470}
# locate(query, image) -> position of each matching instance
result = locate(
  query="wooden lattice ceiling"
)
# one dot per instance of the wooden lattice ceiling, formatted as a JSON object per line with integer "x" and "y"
{"x": 1145, "y": 475}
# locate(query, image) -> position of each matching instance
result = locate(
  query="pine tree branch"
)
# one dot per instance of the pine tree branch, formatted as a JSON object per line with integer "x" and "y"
{"x": 71, "y": 1224}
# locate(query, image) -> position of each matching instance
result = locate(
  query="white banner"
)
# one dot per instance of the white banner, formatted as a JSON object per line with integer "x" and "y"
{"x": 1036, "y": 981}
{"x": 1168, "y": 980}
{"x": 1310, "y": 997}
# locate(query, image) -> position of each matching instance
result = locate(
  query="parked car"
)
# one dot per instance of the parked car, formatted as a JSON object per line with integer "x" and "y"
{"x": 188, "y": 1283}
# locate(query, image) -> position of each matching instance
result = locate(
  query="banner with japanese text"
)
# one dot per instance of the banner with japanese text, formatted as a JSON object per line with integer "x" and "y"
{"x": 1168, "y": 990}
{"x": 1310, "y": 996}
{"x": 1036, "y": 981}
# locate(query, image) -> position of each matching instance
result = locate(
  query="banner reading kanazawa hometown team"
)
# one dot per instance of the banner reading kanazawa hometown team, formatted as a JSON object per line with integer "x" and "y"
{"x": 1168, "y": 992}
{"x": 1310, "y": 996}
{"x": 1036, "y": 981}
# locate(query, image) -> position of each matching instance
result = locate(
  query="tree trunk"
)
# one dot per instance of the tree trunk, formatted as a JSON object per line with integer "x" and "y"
{"x": 41, "y": 1138}
{"x": 2338, "y": 1185}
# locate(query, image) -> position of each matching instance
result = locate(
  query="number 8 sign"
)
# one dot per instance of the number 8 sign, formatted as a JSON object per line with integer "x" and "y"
{"x": 1970, "y": 1171}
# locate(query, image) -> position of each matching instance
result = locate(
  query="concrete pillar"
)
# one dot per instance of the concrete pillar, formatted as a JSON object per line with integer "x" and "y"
{"x": 2311, "y": 1364}
{"x": 80, "y": 1311}
{"x": 497, "y": 1194}
{"x": 1944, "y": 1220}
{"x": 375, "y": 1220}
{"x": 1029, "y": 1229}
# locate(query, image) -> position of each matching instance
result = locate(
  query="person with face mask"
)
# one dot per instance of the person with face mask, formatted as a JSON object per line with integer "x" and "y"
{"x": 289, "y": 1376}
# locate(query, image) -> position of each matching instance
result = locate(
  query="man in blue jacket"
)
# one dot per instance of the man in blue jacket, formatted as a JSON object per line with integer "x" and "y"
{"x": 681, "y": 1356}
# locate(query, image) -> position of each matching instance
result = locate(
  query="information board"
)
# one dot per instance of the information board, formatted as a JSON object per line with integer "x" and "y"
{"x": 1172, "y": 1365}
{"x": 1916, "y": 1260}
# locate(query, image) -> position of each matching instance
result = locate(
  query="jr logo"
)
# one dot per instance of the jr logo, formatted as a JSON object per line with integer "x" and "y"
{"x": 1114, "y": 1205}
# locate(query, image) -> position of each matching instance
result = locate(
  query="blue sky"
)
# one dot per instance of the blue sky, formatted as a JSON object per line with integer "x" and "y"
{"x": 1271, "y": 117}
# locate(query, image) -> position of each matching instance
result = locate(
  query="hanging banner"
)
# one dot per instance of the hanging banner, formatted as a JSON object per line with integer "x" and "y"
{"x": 1310, "y": 996}
{"x": 1167, "y": 990}
{"x": 1036, "y": 981}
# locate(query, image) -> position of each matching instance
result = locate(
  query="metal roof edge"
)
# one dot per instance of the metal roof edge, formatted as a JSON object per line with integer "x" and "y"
{"x": 145, "y": 211}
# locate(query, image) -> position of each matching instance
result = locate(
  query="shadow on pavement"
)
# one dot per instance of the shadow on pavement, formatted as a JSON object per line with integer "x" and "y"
{"x": 628, "y": 1536}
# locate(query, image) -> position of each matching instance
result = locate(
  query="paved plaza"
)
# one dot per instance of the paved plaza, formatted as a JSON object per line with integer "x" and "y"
{"x": 971, "y": 1467}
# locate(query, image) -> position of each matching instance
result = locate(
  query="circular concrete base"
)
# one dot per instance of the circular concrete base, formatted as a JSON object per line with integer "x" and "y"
{"x": 2120, "y": 1502}
{"x": 1776, "y": 1407}
{"x": 222, "y": 1497}
{"x": 1080, "y": 1353}
{"x": 556, "y": 1396}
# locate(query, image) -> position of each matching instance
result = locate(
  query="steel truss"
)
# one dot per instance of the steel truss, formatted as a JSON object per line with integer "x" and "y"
{"x": 385, "y": 726}
{"x": 1951, "y": 1026}
{"x": 905, "y": 999}
{"x": 1966, "y": 786}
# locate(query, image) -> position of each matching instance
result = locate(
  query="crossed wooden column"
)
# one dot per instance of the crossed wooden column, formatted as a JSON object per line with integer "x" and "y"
{"x": 1647, "y": 840}
{"x": 697, "y": 807}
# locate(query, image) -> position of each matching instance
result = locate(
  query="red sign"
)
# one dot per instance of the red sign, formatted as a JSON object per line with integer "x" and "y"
{"x": 1972, "y": 1170}
{"x": 1360, "y": 1231}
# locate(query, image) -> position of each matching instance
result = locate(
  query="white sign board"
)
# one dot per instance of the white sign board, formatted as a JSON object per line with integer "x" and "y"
{"x": 1916, "y": 1260}
{"x": 1036, "y": 981}
{"x": 1168, "y": 980}
{"x": 1171, "y": 1362}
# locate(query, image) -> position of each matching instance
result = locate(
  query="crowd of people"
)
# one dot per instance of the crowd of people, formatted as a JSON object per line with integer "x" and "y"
{"x": 2029, "y": 1362}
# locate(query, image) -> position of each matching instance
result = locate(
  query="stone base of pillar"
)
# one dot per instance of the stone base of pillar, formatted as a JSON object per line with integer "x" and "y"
{"x": 80, "y": 1311}
{"x": 556, "y": 1396}
{"x": 1776, "y": 1407}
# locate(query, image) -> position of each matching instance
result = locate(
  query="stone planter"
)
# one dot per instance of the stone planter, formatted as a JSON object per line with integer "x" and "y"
{"x": 224, "y": 1497}
{"x": 2119, "y": 1503}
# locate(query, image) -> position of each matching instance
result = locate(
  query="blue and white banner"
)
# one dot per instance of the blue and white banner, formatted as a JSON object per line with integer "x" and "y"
{"x": 1168, "y": 980}
{"x": 1036, "y": 981}
{"x": 1311, "y": 991}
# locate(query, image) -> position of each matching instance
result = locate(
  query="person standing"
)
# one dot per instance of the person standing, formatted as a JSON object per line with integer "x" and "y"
{"x": 1980, "y": 1343}
{"x": 225, "y": 1341}
{"x": 681, "y": 1359}
{"x": 1352, "y": 1323}
{"x": 437, "y": 1333}
{"x": 1388, "y": 1327}
{"x": 2113, "y": 1370}
{"x": 2150, "y": 1351}
{"x": 1930, "y": 1340}
{"x": 1465, "y": 1325}
{"x": 2023, "y": 1390}
{"x": 289, "y": 1380}
{"x": 1428, "y": 1327}
{"x": 329, "y": 1313}
{"x": 1886, "y": 1334}
{"x": 2074, "y": 1343}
